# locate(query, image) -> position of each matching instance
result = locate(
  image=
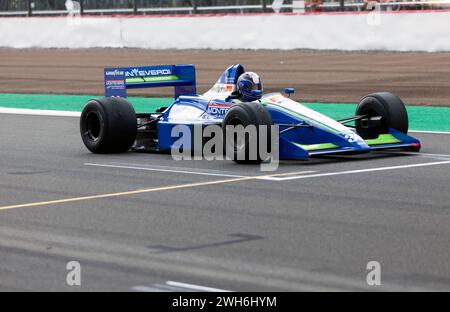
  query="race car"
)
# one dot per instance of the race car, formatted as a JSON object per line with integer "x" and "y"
{"x": 111, "y": 125}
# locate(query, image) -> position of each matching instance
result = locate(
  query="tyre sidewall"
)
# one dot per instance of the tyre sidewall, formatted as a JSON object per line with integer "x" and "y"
{"x": 248, "y": 114}
{"x": 94, "y": 107}
{"x": 118, "y": 125}
{"x": 390, "y": 107}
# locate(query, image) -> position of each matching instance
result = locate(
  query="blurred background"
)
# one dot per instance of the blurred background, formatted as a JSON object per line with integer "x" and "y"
{"x": 56, "y": 7}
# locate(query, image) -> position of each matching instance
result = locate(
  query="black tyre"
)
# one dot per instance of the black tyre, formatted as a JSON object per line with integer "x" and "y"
{"x": 389, "y": 107}
{"x": 246, "y": 114}
{"x": 108, "y": 125}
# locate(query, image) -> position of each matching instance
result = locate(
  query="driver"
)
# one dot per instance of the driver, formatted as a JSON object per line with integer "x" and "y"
{"x": 249, "y": 88}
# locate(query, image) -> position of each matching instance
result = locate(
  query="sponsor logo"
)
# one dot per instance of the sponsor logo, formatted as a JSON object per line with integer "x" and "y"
{"x": 115, "y": 84}
{"x": 218, "y": 109}
{"x": 114, "y": 73}
{"x": 136, "y": 72}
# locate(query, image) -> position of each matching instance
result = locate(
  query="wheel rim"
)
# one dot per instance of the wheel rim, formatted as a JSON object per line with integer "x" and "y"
{"x": 93, "y": 126}
{"x": 238, "y": 142}
{"x": 372, "y": 112}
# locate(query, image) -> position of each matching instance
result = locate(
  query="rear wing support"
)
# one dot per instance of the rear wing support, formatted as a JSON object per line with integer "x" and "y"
{"x": 181, "y": 77}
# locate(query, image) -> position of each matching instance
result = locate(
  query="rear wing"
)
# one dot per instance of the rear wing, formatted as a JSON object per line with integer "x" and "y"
{"x": 119, "y": 79}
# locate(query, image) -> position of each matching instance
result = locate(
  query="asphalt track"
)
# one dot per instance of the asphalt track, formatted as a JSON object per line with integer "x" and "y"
{"x": 199, "y": 225}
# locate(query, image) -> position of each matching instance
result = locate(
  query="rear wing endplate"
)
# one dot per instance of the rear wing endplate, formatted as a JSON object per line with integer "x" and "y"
{"x": 119, "y": 79}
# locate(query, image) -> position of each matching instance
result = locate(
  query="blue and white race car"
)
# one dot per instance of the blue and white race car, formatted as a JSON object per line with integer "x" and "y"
{"x": 110, "y": 124}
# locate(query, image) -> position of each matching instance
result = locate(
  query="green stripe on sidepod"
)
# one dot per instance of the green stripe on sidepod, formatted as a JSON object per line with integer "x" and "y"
{"x": 383, "y": 139}
{"x": 161, "y": 78}
{"x": 316, "y": 147}
{"x": 134, "y": 80}
{"x": 151, "y": 79}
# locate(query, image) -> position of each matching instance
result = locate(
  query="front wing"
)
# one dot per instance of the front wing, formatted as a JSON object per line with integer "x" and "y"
{"x": 392, "y": 140}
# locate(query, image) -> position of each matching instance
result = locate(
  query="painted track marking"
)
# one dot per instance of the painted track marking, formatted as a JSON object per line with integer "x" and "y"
{"x": 156, "y": 288}
{"x": 177, "y": 287}
{"x": 424, "y": 155}
{"x": 429, "y": 131}
{"x": 271, "y": 177}
{"x": 38, "y": 112}
{"x": 359, "y": 171}
{"x": 163, "y": 170}
{"x": 140, "y": 191}
{"x": 118, "y": 194}
{"x": 195, "y": 287}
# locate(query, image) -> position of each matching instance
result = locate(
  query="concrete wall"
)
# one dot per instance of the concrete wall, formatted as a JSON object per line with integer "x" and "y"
{"x": 421, "y": 31}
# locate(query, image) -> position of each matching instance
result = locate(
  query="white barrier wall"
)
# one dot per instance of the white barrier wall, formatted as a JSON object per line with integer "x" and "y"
{"x": 428, "y": 31}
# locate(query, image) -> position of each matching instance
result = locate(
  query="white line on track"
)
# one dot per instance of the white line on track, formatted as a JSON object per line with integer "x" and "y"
{"x": 195, "y": 287}
{"x": 286, "y": 176}
{"x": 164, "y": 170}
{"x": 156, "y": 288}
{"x": 160, "y": 288}
{"x": 356, "y": 171}
{"x": 272, "y": 177}
{"x": 38, "y": 112}
{"x": 177, "y": 287}
{"x": 146, "y": 289}
{"x": 416, "y": 154}
{"x": 276, "y": 177}
{"x": 427, "y": 131}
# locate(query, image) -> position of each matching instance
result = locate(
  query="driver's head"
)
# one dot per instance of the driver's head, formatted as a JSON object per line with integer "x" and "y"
{"x": 250, "y": 86}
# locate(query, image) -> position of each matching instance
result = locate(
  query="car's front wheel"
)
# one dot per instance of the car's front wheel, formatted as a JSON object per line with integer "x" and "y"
{"x": 244, "y": 146}
{"x": 386, "y": 105}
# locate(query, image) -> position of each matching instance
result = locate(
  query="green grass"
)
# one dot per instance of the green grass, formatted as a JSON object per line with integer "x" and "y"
{"x": 420, "y": 117}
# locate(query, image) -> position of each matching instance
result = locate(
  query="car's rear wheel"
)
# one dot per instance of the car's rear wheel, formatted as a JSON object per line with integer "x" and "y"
{"x": 108, "y": 125}
{"x": 240, "y": 146}
{"x": 386, "y": 105}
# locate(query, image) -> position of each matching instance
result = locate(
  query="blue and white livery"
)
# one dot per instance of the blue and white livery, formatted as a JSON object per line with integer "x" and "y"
{"x": 379, "y": 123}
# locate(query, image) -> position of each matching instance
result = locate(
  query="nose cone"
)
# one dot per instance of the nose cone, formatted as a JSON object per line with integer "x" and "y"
{"x": 356, "y": 141}
{"x": 362, "y": 146}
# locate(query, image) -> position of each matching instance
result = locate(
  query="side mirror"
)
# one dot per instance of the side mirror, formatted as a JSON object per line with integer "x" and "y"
{"x": 289, "y": 91}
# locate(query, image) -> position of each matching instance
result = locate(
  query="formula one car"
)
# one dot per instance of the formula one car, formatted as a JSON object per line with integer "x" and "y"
{"x": 110, "y": 124}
